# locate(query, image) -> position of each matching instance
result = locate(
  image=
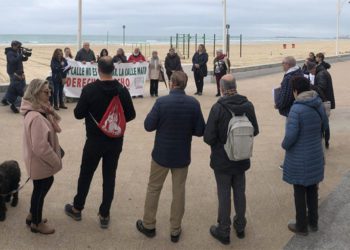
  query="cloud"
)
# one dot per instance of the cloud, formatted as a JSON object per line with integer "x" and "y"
{"x": 167, "y": 17}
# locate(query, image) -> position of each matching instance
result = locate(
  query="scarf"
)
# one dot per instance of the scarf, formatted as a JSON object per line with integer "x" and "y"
{"x": 52, "y": 117}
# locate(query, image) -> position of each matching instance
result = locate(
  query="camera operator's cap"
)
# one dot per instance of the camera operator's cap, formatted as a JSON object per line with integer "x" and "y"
{"x": 16, "y": 43}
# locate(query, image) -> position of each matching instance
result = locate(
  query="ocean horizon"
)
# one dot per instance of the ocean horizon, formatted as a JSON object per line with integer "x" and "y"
{"x": 43, "y": 39}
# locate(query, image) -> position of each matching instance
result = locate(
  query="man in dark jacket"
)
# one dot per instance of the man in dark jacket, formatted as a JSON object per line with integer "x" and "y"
{"x": 175, "y": 118}
{"x": 228, "y": 174}
{"x": 172, "y": 63}
{"x": 93, "y": 102}
{"x": 323, "y": 85}
{"x": 320, "y": 61}
{"x": 285, "y": 98}
{"x": 85, "y": 54}
{"x": 15, "y": 59}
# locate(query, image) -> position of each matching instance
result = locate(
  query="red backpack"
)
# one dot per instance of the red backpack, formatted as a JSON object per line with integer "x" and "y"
{"x": 113, "y": 122}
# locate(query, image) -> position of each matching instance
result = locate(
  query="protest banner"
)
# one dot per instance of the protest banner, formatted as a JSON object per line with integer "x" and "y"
{"x": 131, "y": 75}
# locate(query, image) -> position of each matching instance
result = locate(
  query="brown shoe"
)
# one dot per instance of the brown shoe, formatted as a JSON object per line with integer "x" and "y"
{"x": 29, "y": 220}
{"x": 42, "y": 228}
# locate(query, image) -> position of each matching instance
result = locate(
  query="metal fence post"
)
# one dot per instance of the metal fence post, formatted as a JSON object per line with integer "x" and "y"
{"x": 214, "y": 45}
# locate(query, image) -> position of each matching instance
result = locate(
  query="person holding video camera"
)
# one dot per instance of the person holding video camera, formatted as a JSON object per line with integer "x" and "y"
{"x": 15, "y": 56}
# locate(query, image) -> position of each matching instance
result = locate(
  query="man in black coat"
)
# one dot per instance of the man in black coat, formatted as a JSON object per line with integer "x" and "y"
{"x": 15, "y": 59}
{"x": 323, "y": 85}
{"x": 85, "y": 54}
{"x": 94, "y": 101}
{"x": 175, "y": 118}
{"x": 172, "y": 63}
{"x": 228, "y": 174}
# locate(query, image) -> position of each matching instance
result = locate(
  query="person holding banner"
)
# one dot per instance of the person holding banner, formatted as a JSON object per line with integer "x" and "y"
{"x": 120, "y": 56}
{"x": 134, "y": 58}
{"x": 104, "y": 52}
{"x": 85, "y": 54}
{"x": 155, "y": 67}
{"x": 94, "y": 101}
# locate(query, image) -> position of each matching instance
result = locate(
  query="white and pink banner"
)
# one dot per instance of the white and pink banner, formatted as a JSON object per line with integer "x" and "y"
{"x": 131, "y": 75}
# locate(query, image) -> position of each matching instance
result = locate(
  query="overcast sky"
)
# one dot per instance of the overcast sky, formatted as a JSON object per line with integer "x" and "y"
{"x": 264, "y": 18}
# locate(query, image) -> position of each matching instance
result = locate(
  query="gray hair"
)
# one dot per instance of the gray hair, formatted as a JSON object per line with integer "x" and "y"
{"x": 290, "y": 60}
{"x": 33, "y": 91}
{"x": 219, "y": 50}
{"x": 228, "y": 84}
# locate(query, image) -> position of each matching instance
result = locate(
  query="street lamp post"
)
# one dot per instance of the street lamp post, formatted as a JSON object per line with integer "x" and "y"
{"x": 123, "y": 35}
{"x": 339, "y": 8}
{"x": 79, "y": 24}
{"x": 224, "y": 36}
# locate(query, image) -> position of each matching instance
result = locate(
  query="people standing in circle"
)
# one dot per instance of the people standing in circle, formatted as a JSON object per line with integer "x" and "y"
{"x": 172, "y": 63}
{"x": 120, "y": 57}
{"x": 85, "y": 54}
{"x": 221, "y": 67}
{"x": 59, "y": 69}
{"x": 199, "y": 68}
{"x": 41, "y": 148}
{"x": 155, "y": 66}
{"x": 104, "y": 52}
{"x": 68, "y": 54}
{"x": 134, "y": 58}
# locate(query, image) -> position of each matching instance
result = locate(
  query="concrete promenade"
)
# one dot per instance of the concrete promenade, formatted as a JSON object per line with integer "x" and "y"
{"x": 269, "y": 200}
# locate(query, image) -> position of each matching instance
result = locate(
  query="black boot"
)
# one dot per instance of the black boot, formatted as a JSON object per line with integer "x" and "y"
{"x": 216, "y": 234}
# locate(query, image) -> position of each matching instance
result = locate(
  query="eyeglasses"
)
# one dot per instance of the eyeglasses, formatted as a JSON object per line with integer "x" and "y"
{"x": 47, "y": 91}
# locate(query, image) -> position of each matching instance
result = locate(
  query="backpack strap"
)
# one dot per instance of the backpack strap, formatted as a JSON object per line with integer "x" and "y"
{"x": 227, "y": 109}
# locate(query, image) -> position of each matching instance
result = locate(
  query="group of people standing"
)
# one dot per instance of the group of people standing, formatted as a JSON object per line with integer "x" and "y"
{"x": 176, "y": 118}
{"x": 305, "y": 98}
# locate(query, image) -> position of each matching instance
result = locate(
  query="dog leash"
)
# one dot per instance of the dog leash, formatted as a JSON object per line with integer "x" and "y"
{"x": 16, "y": 190}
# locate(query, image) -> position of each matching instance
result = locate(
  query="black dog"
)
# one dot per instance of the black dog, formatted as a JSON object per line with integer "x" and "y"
{"x": 10, "y": 176}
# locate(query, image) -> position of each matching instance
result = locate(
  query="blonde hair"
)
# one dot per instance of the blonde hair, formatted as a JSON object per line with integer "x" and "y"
{"x": 33, "y": 90}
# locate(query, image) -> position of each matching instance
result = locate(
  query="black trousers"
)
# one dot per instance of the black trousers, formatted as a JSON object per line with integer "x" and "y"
{"x": 327, "y": 135}
{"x": 306, "y": 198}
{"x": 224, "y": 185}
{"x": 96, "y": 149}
{"x": 199, "y": 81}
{"x": 154, "y": 87}
{"x": 58, "y": 93}
{"x": 41, "y": 188}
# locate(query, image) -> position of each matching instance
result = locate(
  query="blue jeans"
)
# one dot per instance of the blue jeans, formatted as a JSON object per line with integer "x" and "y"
{"x": 15, "y": 89}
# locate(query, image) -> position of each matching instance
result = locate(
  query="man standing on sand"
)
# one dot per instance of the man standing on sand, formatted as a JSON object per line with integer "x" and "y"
{"x": 285, "y": 98}
{"x": 228, "y": 174}
{"x": 94, "y": 101}
{"x": 134, "y": 58}
{"x": 85, "y": 54}
{"x": 15, "y": 58}
{"x": 175, "y": 118}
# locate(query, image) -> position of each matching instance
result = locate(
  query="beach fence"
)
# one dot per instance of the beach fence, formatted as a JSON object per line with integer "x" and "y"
{"x": 183, "y": 43}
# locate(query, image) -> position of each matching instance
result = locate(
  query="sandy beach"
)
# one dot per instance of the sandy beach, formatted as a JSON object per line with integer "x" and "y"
{"x": 38, "y": 65}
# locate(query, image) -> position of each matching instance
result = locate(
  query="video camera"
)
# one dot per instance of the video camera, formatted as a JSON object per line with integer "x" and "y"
{"x": 26, "y": 51}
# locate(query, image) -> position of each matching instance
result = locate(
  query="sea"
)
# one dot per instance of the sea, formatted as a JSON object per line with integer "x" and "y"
{"x": 42, "y": 39}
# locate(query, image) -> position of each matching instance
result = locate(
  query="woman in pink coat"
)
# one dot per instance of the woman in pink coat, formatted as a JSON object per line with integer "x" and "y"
{"x": 41, "y": 149}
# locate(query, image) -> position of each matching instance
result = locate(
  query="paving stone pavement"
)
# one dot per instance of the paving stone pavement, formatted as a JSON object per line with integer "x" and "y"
{"x": 269, "y": 200}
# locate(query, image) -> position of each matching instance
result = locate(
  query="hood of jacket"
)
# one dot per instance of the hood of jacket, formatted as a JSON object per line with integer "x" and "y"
{"x": 27, "y": 106}
{"x": 110, "y": 88}
{"x": 8, "y": 49}
{"x": 234, "y": 100}
{"x": 309, "y": 98}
